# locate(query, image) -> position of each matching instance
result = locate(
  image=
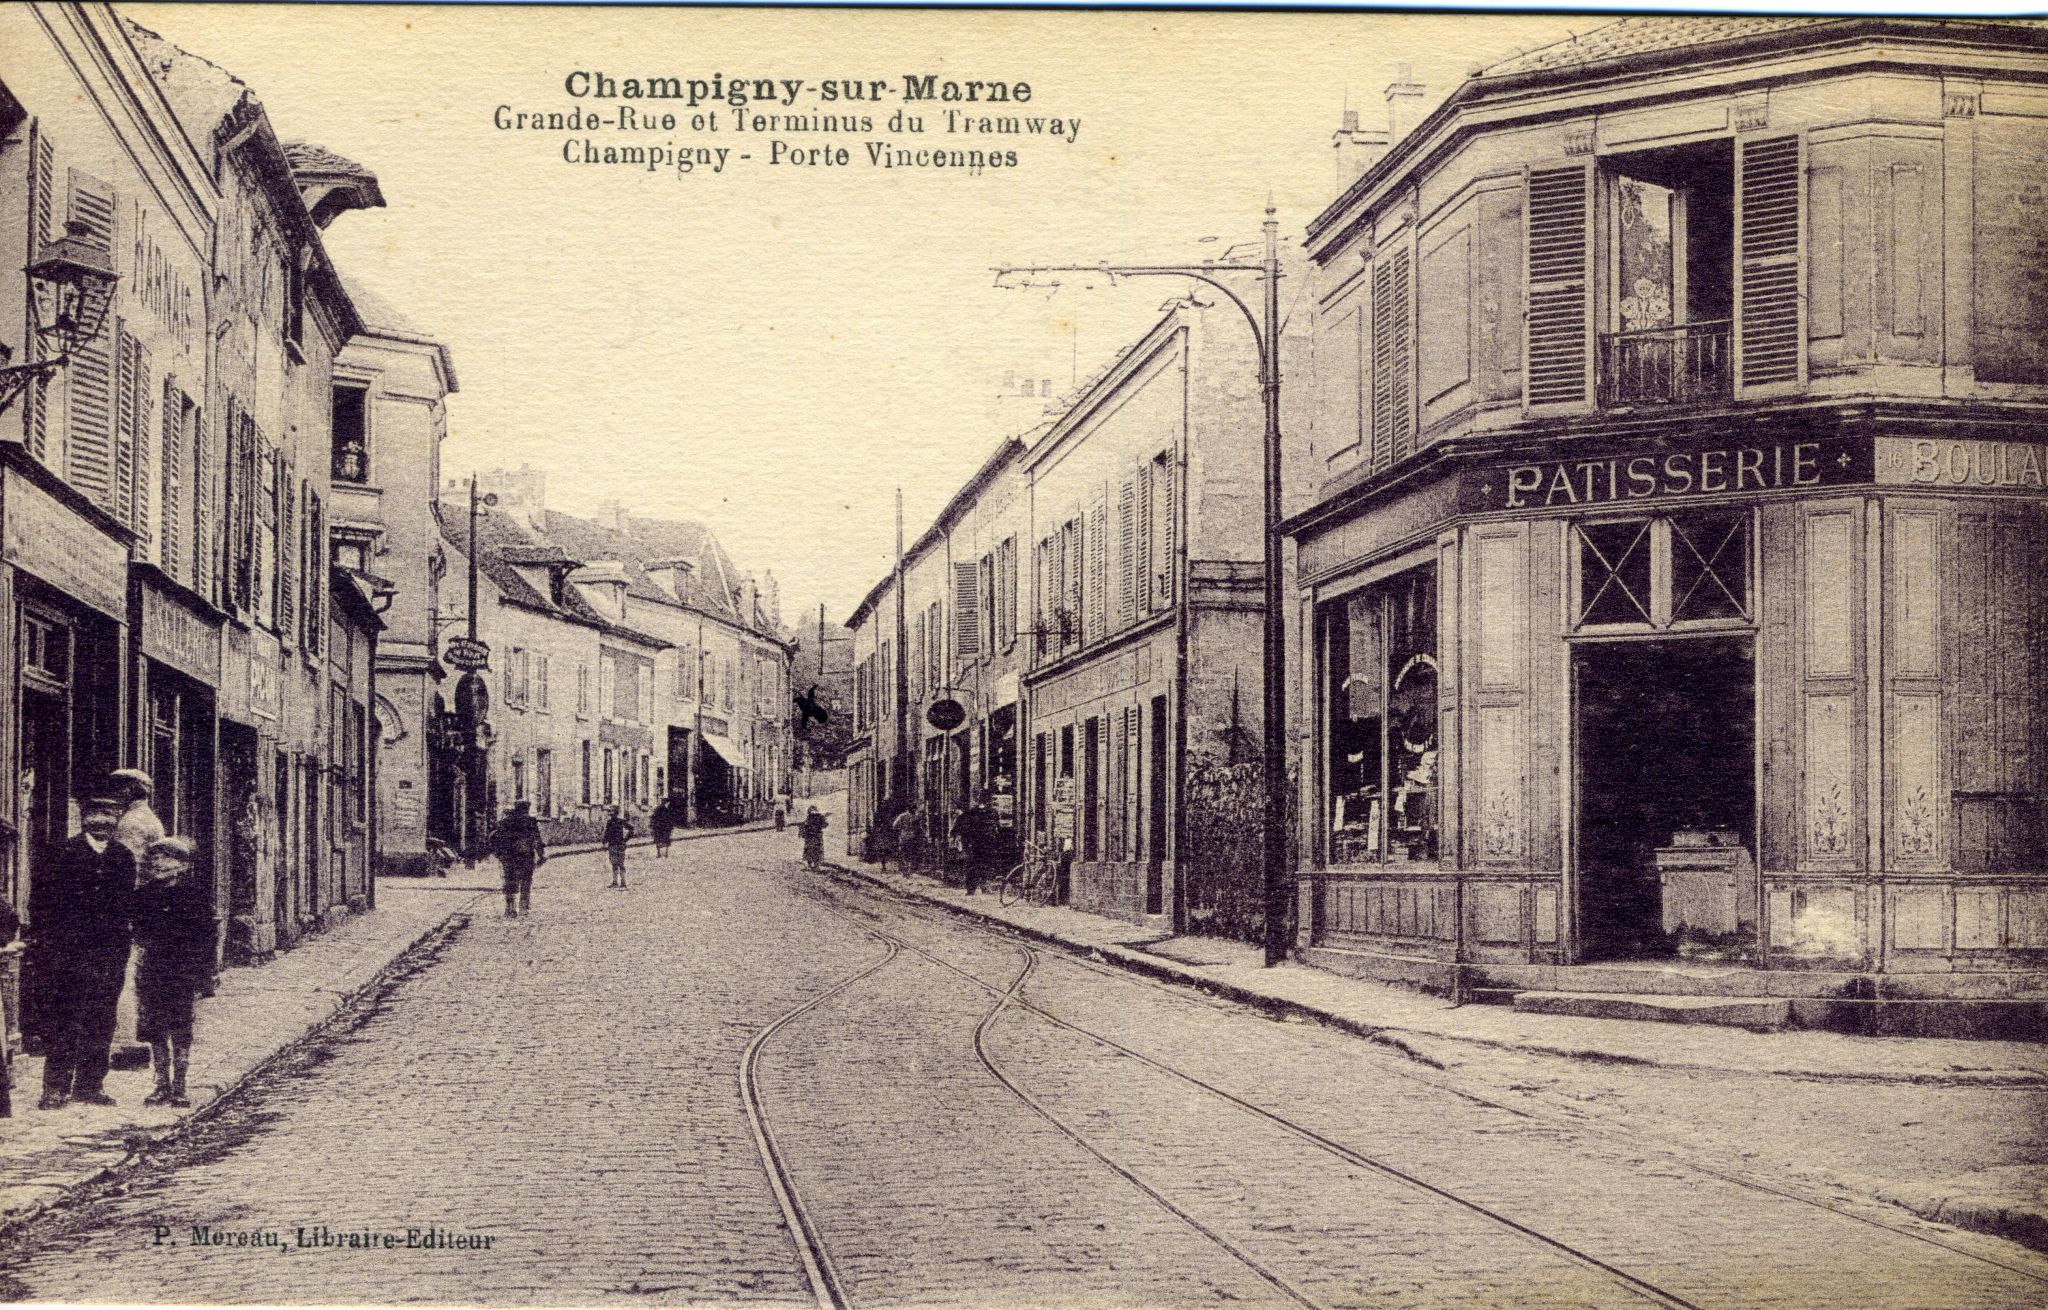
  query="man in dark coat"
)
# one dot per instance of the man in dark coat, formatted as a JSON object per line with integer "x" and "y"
{"x": 517, "y": 844}
{"x": 78, "y": 946}
{"x": 661, "y": 825}
{"x": 617, "y": 832}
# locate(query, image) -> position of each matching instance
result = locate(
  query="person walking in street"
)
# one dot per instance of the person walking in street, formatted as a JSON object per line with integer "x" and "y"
{"x": 975, "y": 829}
{"x": 173, "y": 925}
{"x": 907, "y": 839}
{"x": 520, "y": 850}
{"x": 78, "y": 955}
{"x": 812, "y": 829}
{"x": 617, "y": 832}
{"x": 661, "y": 825}
{"x": 139, "y": 827}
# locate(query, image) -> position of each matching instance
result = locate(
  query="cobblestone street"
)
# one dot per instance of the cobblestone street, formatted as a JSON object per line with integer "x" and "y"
{"x": 958, "y": 1117}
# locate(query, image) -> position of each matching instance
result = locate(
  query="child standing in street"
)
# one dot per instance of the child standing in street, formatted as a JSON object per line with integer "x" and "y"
{"x": 173, "y": 923}
{"x": 617, "y": 832}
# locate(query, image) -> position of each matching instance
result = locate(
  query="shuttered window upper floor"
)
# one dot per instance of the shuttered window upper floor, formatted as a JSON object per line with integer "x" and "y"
{"x": 1874, "y": 235}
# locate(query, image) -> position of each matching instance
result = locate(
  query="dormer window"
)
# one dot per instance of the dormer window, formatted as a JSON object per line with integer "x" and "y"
{"x": 351, "y": 433}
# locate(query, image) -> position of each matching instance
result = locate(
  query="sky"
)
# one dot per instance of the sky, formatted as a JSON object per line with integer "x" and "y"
{"x": 775, "y": 348}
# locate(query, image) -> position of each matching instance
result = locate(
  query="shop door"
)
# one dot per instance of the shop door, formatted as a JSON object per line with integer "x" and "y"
{"x": 1666, "y": 759}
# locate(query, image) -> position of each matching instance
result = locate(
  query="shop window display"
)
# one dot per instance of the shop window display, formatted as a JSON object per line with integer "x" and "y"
{"x": 1381, "y": 662}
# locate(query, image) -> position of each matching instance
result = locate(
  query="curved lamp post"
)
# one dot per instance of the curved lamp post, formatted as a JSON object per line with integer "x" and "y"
{"x": 71, "y": 284}
{"x": 1265, "y": 332}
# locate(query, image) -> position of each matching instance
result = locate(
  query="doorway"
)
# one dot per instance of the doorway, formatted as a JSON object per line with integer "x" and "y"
{"x": 1666, "y": 758}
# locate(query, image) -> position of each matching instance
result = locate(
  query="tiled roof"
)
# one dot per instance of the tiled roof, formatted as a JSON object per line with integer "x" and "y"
{"x": 1656, "y": 33}
{"x": 201, "y": 93}
{"x": 306, "y": 157}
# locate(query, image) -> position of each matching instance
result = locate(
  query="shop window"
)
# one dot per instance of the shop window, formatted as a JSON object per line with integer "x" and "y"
{"x": 1670, "y": 571}
{"x": 1380, "y": 662}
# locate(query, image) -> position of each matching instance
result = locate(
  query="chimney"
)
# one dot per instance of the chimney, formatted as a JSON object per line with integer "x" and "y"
{"x": 1356, "y": 149}
{"x": 614, "y": 515}
{"x": 749, "y": 593}
{"x": 771, "y": 598}
{"x": 1404, "y": 103}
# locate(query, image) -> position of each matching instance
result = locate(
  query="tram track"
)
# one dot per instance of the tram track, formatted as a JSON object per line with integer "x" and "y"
{"x": 831, "y": 1292}
{"x": 1829, "y": 1206}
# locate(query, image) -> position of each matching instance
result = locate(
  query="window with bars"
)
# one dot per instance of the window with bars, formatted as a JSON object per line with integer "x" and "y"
{"x": 1662, "y": 572}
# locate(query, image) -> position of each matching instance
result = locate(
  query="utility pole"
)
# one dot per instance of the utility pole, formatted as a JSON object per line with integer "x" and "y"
{"x": 472, "y": 557}
{"x": 1278, "y": 889}
{"x": 690, "y": 812}
{"x": 1276, "y": 877}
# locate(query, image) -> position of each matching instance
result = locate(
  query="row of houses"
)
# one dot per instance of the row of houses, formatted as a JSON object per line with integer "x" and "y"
{"x": 229, "y": 556}
{"x": 1664, "y": 530}
{"x": 168, "y": 599}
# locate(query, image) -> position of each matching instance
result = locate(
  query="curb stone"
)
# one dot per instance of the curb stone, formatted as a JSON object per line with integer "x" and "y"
{"x": 141, "y": 1140}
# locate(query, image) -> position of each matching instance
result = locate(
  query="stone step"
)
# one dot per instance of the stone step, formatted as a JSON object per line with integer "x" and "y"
{"x": 1727, "y": 1011}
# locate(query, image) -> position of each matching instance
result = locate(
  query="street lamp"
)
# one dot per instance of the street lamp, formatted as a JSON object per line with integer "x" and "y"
{"x": 71, "y": 284}
{"x": 1265, "y": 332}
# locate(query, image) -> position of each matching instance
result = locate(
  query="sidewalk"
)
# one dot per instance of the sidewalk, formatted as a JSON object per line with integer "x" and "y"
{"x": 256, "y": 1013}
{"x": 1431, "y": 1028}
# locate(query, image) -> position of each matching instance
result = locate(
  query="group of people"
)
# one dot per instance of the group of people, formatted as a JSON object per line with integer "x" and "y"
{"x": 120, "y": 885}
{"x": 976, "y": 838}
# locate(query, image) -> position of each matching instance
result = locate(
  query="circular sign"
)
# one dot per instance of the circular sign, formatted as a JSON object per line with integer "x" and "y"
{"x": 466, "y": 653}
{"x": 945, "y": 714}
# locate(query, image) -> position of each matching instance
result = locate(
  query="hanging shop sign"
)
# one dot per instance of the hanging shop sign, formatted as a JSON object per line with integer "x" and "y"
{"x": 945, "y": 714}
{"x": 466, "y": 653}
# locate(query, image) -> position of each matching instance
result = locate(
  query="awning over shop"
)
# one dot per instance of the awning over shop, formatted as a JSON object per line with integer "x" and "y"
{"x": 726, "y": 750}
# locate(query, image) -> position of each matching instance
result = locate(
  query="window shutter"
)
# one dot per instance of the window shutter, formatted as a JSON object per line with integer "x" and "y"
{"x": 967, "y": 610}
{"x": 131, "y": 431}
{"x": 173, "y": 497}
{"x": 289, "y": 531}
{"x": 1006, "y": 609}
{"x": 1126, "y": 539}
{"x": 1558, "y": 251}
{"x": 1767, "y": 309}
{"x": 985, "y": 592}
{"x": 315, "y": 599}
{"x": 42, "y": 177}
{"x": 1163, "y": 503}
{"x": 1382, "y": 362}
{"x": 1141, "y": 557}
{"x": 90, "y": 376}
{"x": 1098, "y": 570}
{"x": 203, "y": 546}
{"x": 1401, "y": 357}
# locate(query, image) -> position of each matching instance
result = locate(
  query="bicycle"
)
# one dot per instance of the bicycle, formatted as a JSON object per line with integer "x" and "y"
{"x": 1036, "y": 877}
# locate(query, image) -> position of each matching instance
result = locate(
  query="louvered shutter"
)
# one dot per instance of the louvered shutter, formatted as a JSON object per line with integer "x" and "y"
{"x": 288, "y": 533}
{"x": 42, "y": 176}
{"x": 1382, "y": 362}
{"x": 937, "y": 654}
{"x": 1119, "y": 744}
{"x": 1163, "y": 505}
{"x": 173, "y": 495}
{"x": 90, "y": 432}
{"x": 1132, "y": 757}
{"x": 1767, "y": 308}
{"x": 985, "y": 590}
{"x": 203, "y": 549}
{"x": 1401, "y": 357}
{"x": 130, "y": 425}
{"x": 1141, "y": 556}
{"x": 315, "y": 598}
{"x": 1006, "y": 613}
{"x": 1126, "y": 541}
{"x": 1077, "y": 576}
{"x": 1558, "y": 252}
{"x": 1098, "y": 570}
{"x": 967, "y": 609}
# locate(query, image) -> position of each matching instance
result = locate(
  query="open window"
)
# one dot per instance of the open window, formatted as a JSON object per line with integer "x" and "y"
{"x": 1380, "y": 665}
{"x": 351, "y": 433}
{"x": 1670, "y": 264}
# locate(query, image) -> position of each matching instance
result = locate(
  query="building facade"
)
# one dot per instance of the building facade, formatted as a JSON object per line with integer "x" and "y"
{"x": 165, "y": 595}
{"x": 1674, "y": 587}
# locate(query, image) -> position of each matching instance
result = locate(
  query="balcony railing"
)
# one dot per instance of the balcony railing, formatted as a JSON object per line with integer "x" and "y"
{"x": 1663, "y": 366}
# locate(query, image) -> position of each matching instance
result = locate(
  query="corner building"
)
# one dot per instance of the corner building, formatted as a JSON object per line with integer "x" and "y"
{"x": 1675, "y": 589}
